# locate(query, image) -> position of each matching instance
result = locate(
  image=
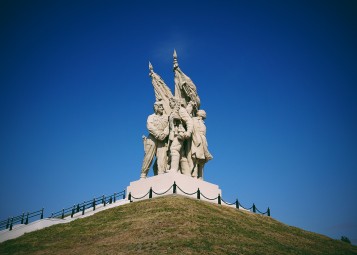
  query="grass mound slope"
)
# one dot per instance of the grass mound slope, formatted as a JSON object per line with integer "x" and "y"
{"x": 174, "y": 225}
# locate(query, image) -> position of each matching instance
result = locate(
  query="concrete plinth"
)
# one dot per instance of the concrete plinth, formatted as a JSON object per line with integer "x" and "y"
{"x": 163, "y": 183}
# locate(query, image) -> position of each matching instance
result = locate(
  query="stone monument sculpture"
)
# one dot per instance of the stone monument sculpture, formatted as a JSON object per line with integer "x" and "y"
{"x": 181, "y": 126}
{"x": 177, "y": 130}
{"x": 156, "y": 142}
{"x": 199, "y": 149}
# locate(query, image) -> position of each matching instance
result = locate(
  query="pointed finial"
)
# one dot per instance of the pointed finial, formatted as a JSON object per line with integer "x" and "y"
{"x": 151, "y": 69}
{"x": 175, "y": 59}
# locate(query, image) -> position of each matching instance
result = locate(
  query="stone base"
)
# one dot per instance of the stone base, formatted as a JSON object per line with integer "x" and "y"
{"x": 163, "y": 185}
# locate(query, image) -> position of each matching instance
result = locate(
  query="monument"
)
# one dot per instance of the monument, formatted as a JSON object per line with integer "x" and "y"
{"x": 176, "y": 146}
{"x": 177, "y": 133}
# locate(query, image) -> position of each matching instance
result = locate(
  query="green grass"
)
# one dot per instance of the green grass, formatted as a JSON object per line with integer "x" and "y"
{"x": 174, "y": 225}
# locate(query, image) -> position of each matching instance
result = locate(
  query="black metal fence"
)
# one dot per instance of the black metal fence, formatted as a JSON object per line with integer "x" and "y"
{"x": 81, "y": 207}
{"x": 29, "y": 217}
{"x": 198, "y": 194}
{"x": 20, "y": 219}
{"x": 104, "y": 200}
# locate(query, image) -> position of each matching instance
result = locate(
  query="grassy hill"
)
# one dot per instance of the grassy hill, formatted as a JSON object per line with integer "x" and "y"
{"x": 174, "y": 225}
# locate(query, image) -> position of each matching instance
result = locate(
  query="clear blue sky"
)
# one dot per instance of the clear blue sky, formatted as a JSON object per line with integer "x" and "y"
{"x": 278, "y": 80}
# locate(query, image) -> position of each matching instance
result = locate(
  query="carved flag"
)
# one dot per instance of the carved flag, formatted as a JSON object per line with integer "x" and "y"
{"x": 162, "y": 91}
{"x": 185, "y": 89}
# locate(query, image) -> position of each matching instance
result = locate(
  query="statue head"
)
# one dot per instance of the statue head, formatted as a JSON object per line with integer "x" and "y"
{"x": 158, "y": 107}
{"x": 181, "y": 102}
{"x": 172, "y": 102}
{"x": 201, "y": 113}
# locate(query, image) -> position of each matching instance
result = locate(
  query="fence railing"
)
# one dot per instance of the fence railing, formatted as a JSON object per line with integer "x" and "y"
{"x": 104, "y": 200}
{"x": 198, "y": 194}
{"x": 81, "y": 207}
{"x": 28, "y": 217}
{"x": 20, "y": 219}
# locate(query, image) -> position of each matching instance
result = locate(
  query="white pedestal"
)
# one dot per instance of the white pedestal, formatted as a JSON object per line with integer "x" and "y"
{"x": 163, "y": 183}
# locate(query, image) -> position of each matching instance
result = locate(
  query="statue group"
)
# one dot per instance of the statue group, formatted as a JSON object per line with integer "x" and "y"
{"x": 177, "y": 132}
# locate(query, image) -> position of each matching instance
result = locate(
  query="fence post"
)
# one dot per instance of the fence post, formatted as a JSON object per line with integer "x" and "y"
{"x": 73, "y": 209}
{"x": 174, "y": 188}
{"x": 42, "y": 213}
{"x": 8, "y": 223}
{"x": 124, "y": 194}
{"x": 129, "y": 197}
{"x": 254, "y": 209}
{"x": 219, "y": 199}
{"x": 62, "y": 213}
{"x": 27, "y": 219}
{"x": 268, "y": 211}
{"x": 104, "y": 202}
{"x": 22, "y": 218}
{"x": 77, "y": 207}
{"x": 83, "y": 207}
{"x": 198, "y": 193}
{"x": 12, "y": 221}
{"x": 51, "y": 215}
{"x": 93, "y": 204}
{"x": 114, "y": 198}
{"x": 237, "y": 204}
{"x": 110, "y": 199}
{"x": 150, "y": 192}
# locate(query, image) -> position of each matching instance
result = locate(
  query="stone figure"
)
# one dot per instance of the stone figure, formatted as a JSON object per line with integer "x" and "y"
{"x": 177, "y": 129}
{"x": 199, "y": 149}
{"x": 156, "y": 142}
{"x": 181, "y": 127}
{"x": 162, "y": 91}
